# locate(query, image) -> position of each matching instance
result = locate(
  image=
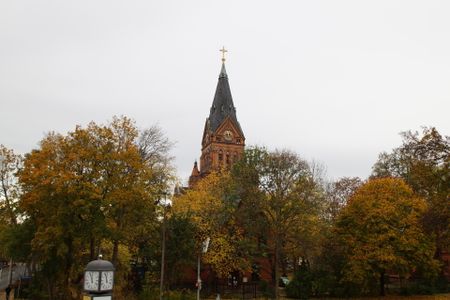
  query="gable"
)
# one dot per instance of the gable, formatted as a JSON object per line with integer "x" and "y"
{"x": 229, "y": 132}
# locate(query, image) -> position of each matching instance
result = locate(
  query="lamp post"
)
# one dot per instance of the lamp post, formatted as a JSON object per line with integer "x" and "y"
{"x": 163, "y": 248}
{"x": 205, "y": 245}
{"x": 98, "y": 280}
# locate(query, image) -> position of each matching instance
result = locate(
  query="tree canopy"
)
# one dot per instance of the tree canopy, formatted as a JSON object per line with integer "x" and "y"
{"x": 423, "y": 161}
{"x": 211, "y": 206}
{"x": 279, "y": 190}
{"x": 99, "y": 189}
{"x": 380, "y": 232}
{"x": 90, "y": 191}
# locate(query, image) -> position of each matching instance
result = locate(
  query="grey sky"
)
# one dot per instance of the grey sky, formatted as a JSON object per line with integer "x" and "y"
{"x": 335, "y": 81}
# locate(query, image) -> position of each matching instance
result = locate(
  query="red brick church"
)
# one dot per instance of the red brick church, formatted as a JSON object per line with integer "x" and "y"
{"x": 223, "y": 140}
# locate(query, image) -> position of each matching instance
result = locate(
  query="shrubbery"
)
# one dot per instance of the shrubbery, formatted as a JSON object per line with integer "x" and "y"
{"x": 301, "y": 285}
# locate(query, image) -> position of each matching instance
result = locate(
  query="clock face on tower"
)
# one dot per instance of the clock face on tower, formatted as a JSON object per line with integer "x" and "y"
{"x": 228, "y": 136}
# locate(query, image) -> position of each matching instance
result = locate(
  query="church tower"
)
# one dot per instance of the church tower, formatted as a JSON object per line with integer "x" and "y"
{"x": 223, "y": 140}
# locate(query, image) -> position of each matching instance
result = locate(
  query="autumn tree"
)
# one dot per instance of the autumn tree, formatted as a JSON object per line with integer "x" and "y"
{"x": 380, "y": 232}
{"x": 338, "y": 193}
{"x": 423, "y": 161}
{"x": 210, "y": 205}
{"x": 10, "y": 164}
{"x": 90, "y": 187}
{"x": 279, "y": 190}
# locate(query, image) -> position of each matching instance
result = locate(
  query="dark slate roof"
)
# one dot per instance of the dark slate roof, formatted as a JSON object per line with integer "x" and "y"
{"x": 223, "y": 106}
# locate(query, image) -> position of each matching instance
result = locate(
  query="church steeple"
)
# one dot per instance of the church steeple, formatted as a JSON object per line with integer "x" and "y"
{"x": 223, "y": 106}
{"x": 223, "y": 140}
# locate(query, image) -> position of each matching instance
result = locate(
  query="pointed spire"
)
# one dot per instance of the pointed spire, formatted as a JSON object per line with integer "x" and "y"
{"x": 223, "y": 71}
{"x": 222, "y": 106}
{"x": 195, "y": 171}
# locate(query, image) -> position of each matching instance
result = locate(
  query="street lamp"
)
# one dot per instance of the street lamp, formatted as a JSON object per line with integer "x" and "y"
{"x": 163, "y": 246}
{"x": 205, "y": 245}
{"x": 98, "y": 280}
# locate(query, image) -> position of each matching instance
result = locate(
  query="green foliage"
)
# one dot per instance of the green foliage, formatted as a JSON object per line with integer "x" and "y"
{"x": 149, "y": 293}
{"x": 15, "y": 240}
{"x": 180, "y": 247}
{"x": 281, "y": 203}
{"x": 266, "y": 289}
{"x": 301, "y": 286}
{"x": 180, "y": 295}
{"x": 152, "y": 293}
{"x": 425, "y": 286}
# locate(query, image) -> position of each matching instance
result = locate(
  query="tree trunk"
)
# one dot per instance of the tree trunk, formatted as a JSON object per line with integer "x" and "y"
{"x": 382, "y": 293}
{"x": 50, "y": 289}
{"x": 69, "y": 264}
{"x": 277, "y": 271}
{"x": 92, "y": 248}
{"x": 115, "y": 252}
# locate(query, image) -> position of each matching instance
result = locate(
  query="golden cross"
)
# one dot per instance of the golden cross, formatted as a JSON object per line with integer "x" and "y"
{"x": 223, "y": 50}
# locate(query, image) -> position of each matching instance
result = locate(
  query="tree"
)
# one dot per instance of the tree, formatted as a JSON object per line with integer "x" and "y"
{"x": 300, "y": 287}
{"x": 10, "y": 164}
{"x": 181, "y": 247}
{"x": 423, "y": 161}
{"x": 279, "y": 189}
{"x": 338, "y": 193}
{"x": 210, "y": 205}
{"x": 93, "y": 186}
{"x": 154, "y": 148}
{"x": 380, "y": 232}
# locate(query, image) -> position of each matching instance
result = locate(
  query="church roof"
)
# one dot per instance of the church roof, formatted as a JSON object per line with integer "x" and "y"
{"x": 223, "y": 106}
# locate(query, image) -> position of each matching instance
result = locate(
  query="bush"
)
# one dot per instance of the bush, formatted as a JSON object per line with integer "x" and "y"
{"x": 180, "y": 295}
{"x": 301, "y": 285}
{"x": 423, "y": 287}
{"x": 266, "y": 289}
{"x": 149, "y": 293}
{"x": 152, "y": 293}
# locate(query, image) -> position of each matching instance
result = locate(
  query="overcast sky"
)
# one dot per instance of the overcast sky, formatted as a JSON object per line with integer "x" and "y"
{"x": 335, "y": 81}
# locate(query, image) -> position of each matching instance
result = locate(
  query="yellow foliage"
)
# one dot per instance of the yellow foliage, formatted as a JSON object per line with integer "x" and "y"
{"x": 380, "y": 231}
{"x": 210, "y": 209}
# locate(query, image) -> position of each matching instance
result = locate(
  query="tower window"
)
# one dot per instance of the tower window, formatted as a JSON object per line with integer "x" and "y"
{"x": 228, "y": 159}
{"x": 220, "y": 156}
